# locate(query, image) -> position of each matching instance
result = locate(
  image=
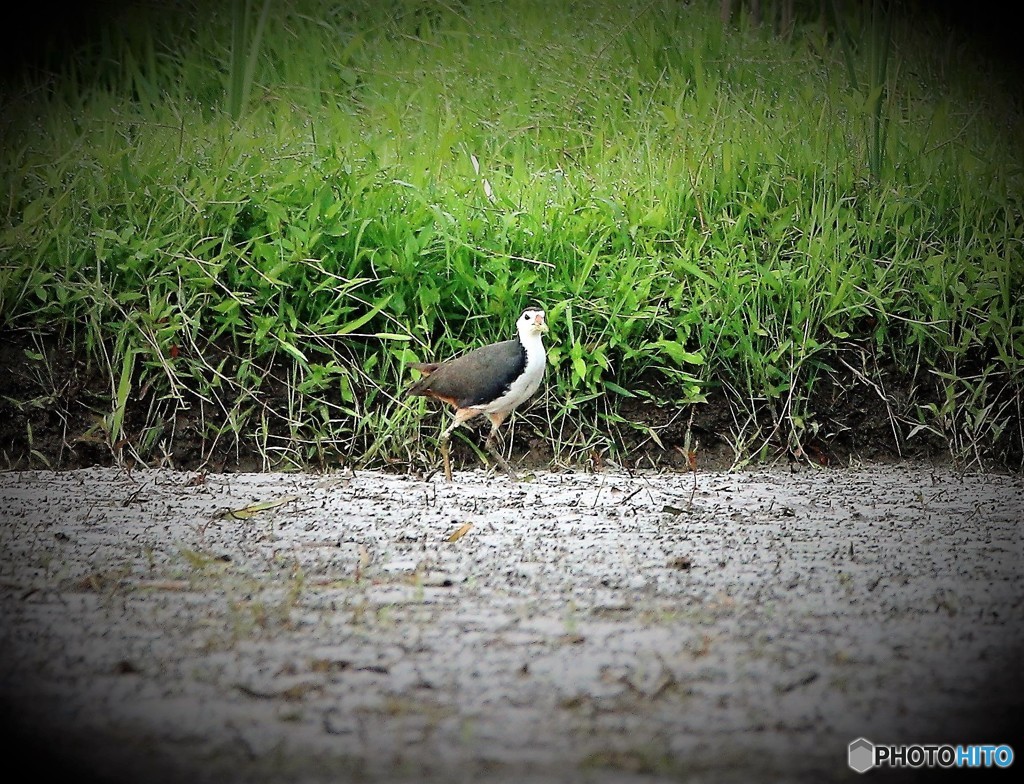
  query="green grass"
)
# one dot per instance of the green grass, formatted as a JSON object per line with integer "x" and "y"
{"x": 257, "y": 214}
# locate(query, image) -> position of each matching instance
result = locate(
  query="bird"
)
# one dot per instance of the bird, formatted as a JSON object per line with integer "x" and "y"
{"x": 492, "y": 381}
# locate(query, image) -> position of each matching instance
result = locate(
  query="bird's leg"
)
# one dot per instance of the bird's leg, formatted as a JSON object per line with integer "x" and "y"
{"x": 445, "y": 457}
{"x": 492, "y": 445}
{"x": 445, "y": 436}
{"x": 461, "y": 415}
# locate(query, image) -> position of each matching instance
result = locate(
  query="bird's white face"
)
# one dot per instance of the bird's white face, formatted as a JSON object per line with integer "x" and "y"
{"x": 532, "y": 322}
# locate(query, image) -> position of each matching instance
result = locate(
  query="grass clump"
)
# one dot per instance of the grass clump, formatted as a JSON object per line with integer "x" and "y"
{"x": 248, "y": 218}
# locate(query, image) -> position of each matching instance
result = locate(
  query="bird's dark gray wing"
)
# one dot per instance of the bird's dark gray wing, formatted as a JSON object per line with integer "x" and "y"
{"x": 477, "y": 377}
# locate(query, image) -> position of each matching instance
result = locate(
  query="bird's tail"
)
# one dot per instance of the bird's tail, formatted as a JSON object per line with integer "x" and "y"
{"x": 426, "y": 368}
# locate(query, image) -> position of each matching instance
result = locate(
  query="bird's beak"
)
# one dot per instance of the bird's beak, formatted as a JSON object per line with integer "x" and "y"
{"x": 539, "y": 324}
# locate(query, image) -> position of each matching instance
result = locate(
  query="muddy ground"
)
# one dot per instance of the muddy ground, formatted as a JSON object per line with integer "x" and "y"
{"x": 168, "y": 626}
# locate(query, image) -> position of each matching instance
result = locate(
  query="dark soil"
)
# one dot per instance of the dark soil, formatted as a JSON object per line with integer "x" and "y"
{"x": 53, "y": 404}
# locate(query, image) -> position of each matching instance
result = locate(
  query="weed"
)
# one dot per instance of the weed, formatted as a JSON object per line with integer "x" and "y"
{"x": 256, "y": 219}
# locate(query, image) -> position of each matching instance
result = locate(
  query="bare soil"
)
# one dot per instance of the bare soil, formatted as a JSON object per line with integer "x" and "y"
{"x": 610, "y": 626}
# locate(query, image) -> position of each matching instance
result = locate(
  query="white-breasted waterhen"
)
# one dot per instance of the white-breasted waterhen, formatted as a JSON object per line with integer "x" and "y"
{"x": 491, "y": 380}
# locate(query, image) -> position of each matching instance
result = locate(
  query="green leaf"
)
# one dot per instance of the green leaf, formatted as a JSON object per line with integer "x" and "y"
{"x": 356, "y": 323}
{"x": 292, "y": 350}
{"x": 611, "y": 385}
{"x": 678, "y": 353}
{"x": 580, "y": 367}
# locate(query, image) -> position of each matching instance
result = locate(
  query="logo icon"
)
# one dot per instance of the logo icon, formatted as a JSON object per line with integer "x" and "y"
{"x": 861, "y": 755}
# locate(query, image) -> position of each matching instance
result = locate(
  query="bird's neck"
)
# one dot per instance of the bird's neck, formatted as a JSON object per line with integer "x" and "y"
{"x": 533, "y": 345}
